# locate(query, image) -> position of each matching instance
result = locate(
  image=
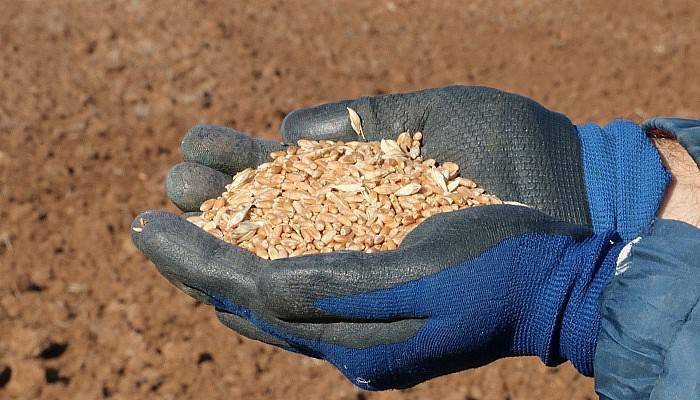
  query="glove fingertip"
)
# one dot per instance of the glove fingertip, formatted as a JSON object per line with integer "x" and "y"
{"x": 328, "y": 121}
{"x": 198, "y": 138}
{"x": 140, "y": 226}
{"x": 189, "y": 184}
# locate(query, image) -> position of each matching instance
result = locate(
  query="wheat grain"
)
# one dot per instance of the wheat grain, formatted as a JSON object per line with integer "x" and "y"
{"x": 323, "y": 196}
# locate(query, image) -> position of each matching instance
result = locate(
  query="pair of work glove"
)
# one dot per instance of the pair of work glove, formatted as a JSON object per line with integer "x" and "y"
{"x": 464, "y": 288}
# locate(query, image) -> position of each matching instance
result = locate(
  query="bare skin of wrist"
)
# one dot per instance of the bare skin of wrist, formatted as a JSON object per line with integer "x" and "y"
{"x": 682, "y": 200}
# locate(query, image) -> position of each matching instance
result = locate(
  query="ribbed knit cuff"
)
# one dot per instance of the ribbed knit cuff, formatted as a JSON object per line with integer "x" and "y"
{"x": 625, "y": 177}
{"x": 562, "y": 321}
{"x": 581, "y": 320}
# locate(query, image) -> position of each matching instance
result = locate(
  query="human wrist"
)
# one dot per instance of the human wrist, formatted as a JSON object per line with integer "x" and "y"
{"x": 682, "y": 199}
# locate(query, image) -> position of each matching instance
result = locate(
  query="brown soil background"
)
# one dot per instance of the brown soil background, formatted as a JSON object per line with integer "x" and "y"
{"x": 96, "y": 95}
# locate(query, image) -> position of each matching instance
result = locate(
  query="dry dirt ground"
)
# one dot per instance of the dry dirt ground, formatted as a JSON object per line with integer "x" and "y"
{"x": 95, "y": 96}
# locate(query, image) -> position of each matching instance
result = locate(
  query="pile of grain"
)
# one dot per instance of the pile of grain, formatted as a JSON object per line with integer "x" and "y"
{"x": 328, "y": 196}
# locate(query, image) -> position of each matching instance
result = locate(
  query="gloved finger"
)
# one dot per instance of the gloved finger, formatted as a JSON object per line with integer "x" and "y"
{"x": 190, "y": 291}
{"x": 354, "y": 335}
{"x": 184, "y": 253}
{"x": 349, "y": 286}
{"x": 248, "y": 329}
{"x": 189, "y": 184}
{"x": 381, "y": 115}
{"x": 225, "y": 149}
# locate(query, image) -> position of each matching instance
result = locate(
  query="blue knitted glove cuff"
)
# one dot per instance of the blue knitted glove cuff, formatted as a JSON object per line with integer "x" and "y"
{"x": 624, "y": 175}
{"x": 581, "y": 322}
{"x": 562, "y": 322}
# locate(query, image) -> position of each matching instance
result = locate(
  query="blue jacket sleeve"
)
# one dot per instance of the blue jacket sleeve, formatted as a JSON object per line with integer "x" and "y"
{"x": 686, "y": 131}
{"x": 649, "y": 342}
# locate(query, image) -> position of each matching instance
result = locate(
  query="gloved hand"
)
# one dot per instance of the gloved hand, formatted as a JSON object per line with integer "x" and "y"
{"x": 463, "y": 289}
{"x": 607, "y": 178}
